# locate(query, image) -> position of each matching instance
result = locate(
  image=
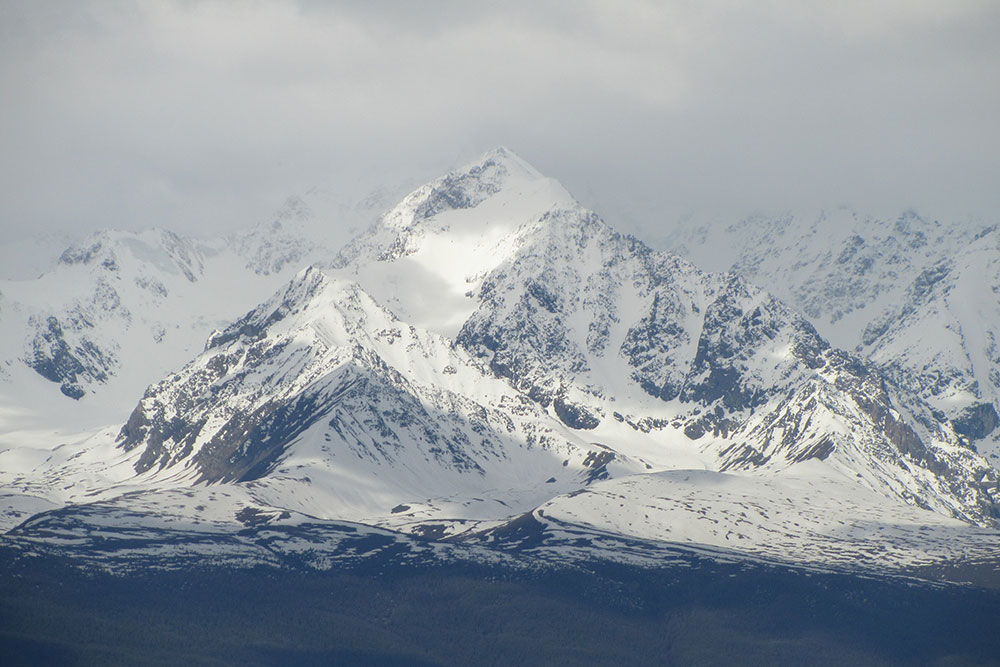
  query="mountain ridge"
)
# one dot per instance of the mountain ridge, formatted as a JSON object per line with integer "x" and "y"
{"x": 397, "y": 387}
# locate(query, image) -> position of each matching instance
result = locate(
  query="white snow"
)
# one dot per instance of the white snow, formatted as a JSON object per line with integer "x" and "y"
{"x": 389, "y": 313}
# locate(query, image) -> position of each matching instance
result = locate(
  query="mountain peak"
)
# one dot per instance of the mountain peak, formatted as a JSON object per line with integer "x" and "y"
{"x": 156, "y": 247}
{"x": 495, "y": 173}
{"x": 481, "y": 202}
{"x": 501, "y": 156}
{"x": 446, "y": 235}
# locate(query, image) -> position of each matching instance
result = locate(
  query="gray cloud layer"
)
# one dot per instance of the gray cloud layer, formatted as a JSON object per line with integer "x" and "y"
{"x": 205, "y": 115}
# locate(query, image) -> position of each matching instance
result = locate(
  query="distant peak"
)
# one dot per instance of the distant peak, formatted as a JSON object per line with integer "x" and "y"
{"x": 467, "y": 187}
{"x": 500, "y": 151}
{"x": 104, "y": 244}
{"x": 504, "y": 157}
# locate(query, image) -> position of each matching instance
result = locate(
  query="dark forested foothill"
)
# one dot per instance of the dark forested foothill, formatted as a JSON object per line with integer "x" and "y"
{"x": 707, "y": 613}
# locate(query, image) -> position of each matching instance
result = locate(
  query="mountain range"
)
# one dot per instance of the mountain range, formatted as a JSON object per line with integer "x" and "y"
{"x": 491, "y": 372}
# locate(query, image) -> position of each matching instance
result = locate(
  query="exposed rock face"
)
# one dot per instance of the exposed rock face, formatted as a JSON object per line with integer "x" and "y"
{"x": 976, "y": 421}
{"x": 54, "y": 359}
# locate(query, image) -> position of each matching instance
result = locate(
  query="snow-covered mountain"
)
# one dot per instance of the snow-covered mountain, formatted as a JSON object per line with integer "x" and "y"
{"x": 916, "y": 297}
{"x": 321, "y": 386}
{"x": 490, "y": 358}
{"x": 839, "y": 267}
{"x": 120, "y": 309}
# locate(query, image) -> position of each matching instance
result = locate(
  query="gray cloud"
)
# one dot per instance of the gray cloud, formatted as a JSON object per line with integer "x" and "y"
{"x": 205, "y": 115}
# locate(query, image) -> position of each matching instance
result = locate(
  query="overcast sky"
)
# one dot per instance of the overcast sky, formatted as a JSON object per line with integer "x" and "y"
{"x": 206, "y": 115}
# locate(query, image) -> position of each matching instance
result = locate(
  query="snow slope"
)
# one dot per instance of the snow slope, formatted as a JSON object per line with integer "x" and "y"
{"x": 803, "y": 517}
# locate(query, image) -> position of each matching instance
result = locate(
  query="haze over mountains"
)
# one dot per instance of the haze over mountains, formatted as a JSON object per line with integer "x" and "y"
{"x": 493, "y": 365}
